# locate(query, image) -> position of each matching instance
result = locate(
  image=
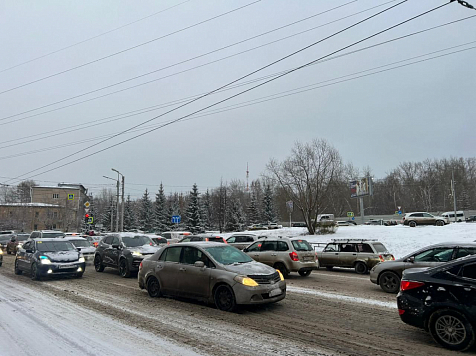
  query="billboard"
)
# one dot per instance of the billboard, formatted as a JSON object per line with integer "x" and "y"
{"x": 360, "y": 187}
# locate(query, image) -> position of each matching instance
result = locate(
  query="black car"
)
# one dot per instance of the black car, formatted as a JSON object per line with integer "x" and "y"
{"x": 124, "y": 251}
{"x": 442, "y": 300}
{"x": 471, "y": 218}
{"x": 48, "y": 257}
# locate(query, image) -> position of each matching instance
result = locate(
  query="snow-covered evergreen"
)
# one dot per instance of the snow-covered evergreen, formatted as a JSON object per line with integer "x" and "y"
{"x": 269, "y": 212}
{"x": 107, "y": 215}
{"x": 253, "y": 211}
{"x": 193, "y": 212}
{"x": 207, "y": 214}
{"x": 235, "y": 218}
{"x": 130, "y": 221}
{"x": 160, "y": 211}
{"x": 146, "y": 213}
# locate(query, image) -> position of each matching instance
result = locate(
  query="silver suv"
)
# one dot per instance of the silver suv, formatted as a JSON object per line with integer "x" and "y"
{"x": 285, "y": 254}
{"x": 422, "y": 218}
{"x": 240, "y": 240}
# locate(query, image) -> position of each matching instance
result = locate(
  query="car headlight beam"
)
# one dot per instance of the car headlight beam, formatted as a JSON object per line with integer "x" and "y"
{"x": 45, "y": 260}
{"x": 280, "y": 274}
{"x": 246, "y": 281}
{"x": 137, "y": 254}
{"x": 81, "y": 259}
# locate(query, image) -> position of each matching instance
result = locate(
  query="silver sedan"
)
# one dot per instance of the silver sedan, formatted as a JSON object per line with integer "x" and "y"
{"x": 212, "y": 272}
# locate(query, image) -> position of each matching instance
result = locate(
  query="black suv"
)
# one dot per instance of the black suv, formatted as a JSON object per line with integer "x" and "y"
{"x": 47, "y": 257}
{"x": 124, "y": 251}
{"x": 442, "y": 300}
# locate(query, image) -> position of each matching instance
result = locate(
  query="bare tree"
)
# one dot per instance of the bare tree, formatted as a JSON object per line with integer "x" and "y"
{"x": 307, "y": 175}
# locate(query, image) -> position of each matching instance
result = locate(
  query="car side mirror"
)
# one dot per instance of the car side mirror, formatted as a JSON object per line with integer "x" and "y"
{"x": 199, "y": 264}
{"x": 29, "y": 251}
{"x": 411, "y": 259}
{"x": 13, "y": 239}
{"x": 116, "y": 246}
{"x": 245, "y": 250}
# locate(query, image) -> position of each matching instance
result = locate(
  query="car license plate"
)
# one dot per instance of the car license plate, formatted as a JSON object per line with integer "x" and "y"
{"x": 275, "y": 292}
{"x": 66, "y": 266}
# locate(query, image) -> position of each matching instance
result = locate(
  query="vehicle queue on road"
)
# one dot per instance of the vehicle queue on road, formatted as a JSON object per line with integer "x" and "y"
{"x": 436, "y": 285}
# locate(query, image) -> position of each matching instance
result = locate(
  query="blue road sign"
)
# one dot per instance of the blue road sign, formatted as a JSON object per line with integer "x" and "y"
{"x": 353, "y": 218}
{"x": 176, "y": 219}
{"x": 400, "y": 212}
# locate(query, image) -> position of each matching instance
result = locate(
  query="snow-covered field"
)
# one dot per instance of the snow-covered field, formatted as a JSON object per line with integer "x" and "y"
{"x": 400, "y": 240}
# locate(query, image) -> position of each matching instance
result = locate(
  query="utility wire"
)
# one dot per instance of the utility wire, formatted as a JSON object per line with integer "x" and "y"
{"x": 239, "y": 79}
{"x": 247, "y": 90}
{"x": 271, "y": 97}
{"x": 91, "y": 38}
{"x": 129, "y": 49}
{"x": 185, "y": 61}
{"x": 83, "y": 126}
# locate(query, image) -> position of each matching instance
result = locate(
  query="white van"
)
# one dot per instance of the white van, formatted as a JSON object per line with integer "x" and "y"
{"x": 451, "y": 215}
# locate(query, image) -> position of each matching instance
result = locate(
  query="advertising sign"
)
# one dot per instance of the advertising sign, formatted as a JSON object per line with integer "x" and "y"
{"x": 360, "y": 187}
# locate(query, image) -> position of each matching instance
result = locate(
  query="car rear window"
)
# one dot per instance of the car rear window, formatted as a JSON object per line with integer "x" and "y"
{"x": 51, "y": 235}
{"x": 80, "y": 243}
{"x": 465, "y": 251}
{"x": 216, "y": 239}
{"x": 379, "y": 248}
{"x": 136, "y": 241}
{"x": 53, "y": 246}
{"x": 302, "y": 245}
{"x": 22, "y": 238}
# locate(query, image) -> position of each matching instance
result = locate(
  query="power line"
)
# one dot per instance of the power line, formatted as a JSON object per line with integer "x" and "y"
{"x": 91, "y": 38}
{"x": 275, "y": 96}
{"x": 178, "y": 101}
{"x": 128, "y": 49}
{"x": 239, "y": 79}
{"x": 182, "y": 62}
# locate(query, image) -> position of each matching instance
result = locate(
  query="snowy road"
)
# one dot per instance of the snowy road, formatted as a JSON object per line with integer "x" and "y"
{"x": 327, "y": 313}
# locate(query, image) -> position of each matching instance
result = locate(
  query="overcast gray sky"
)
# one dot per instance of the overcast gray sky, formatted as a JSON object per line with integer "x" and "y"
{"x": 425, "y": 110}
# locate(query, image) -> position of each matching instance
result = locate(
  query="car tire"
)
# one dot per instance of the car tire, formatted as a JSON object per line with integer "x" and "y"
{"x": 224, "y": 298}
{"x": 389, "y": 282}
{"x": 412, "y": 224}
{"x": 440, "y": 223}
{"x": 16, "y": 269}
{"x": 79, "y": 275}
{"x": 98, "y": 266}
{"x": 304, "y": 273}
{"x": 153, "y": 287}
{"x": 282, "y": 268}
{"x": 34, "y": 272}
{"x": 441, "y": 324}
{"x": 124, "y": 270}
{"x": 329, "y": 268}
{"x": 361, "y": 268}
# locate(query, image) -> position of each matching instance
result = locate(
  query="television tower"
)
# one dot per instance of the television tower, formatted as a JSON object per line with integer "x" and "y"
{"x": 247, "y": 177}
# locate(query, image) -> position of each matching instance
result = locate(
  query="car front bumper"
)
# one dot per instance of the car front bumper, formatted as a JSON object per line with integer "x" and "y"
{"x": 61, "y": 268}
{"x": 262, "y": 294}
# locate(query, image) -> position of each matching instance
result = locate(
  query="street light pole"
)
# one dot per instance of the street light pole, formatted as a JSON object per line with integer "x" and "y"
{"x": 122, "y": 199}
{"x": 117, "y": 205}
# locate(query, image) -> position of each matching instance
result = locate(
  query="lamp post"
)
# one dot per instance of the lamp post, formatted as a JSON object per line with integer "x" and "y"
{"x": 122, "y": 198}
{"x": 117, "y": 206}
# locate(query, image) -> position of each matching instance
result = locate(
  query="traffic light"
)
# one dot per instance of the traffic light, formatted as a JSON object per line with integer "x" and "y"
{"x": 86, "y": 218}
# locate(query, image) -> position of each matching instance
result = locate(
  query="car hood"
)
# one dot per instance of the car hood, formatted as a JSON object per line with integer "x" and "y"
{"x": 145, "y": 250}
{"x": 62, "y": 256}
{"x": 250, "y": 268}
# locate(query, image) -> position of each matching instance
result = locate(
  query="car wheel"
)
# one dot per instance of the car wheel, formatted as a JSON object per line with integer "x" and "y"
{"x": 389, "y": 282}
{"x": 440, "y": 223}
{"x": 224, "y": 298}
{"x": 153, "y": 287}
{"x": 124, "y": 268}
{"x": 304, "y": 273}
{"x": 412, "y": 224}
{"x": 361, "y": 268}
{"x": 16, "y": 269}
{"x": 98, "y": 266}
{"x": 34, "y": 272}
{"x": 329, "y": 268}
{"x": 282, "y": 268}
{"x": 452, "y": 330}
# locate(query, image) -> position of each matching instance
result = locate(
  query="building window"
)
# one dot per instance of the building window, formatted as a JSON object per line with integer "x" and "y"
{"x": 54, "y": 226}
{"x": 55, "y": 196}
{"x": 37, "y": 214}
{"x": 55, "y": 214}
{"x": 11, "y": 213}
{"x": 35, "y": 227}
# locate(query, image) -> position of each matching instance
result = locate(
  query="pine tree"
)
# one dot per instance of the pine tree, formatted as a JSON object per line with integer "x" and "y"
{"x": 253, "y": 211}
{"x": 207, "y": 211}
{"x": 129, "y": 215}
{"x": 269, "y": 213}
{"x": 108, "y": 215}
{"x": 234, "y": 215}
{"x": 160, "y": 212}
{"x": 193, "y": 212}
{"x": 146, "y": 213}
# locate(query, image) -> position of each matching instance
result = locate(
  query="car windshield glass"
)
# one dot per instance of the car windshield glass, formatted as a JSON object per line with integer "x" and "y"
{"x": 302, "y": 245}
{"x": 53, "y": 246}
{"x": 379, "y": 248}
{"x": 22, "y": 238}
{"x": 51, "y": 235}
{"x": 228, "y": 255}
{"x": 80, "y": 243}
{"x": 135, "y": 241}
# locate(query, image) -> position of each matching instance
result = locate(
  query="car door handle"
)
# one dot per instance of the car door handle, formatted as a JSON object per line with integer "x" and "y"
{"x": 273, "y": 254}
{"x": 182, "y": 269}
{"x": 336, "y": 254}
{"x": 354, "y": 254}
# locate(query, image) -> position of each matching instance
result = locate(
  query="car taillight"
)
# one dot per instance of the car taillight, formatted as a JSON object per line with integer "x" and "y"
{"x": 95, "y": 244}
{"x": 393, "y": 257}
{"x": 294, "y": 256}
{"x": 225, "y": 241}
{"x": 406, "y": 285}
{"x": 381, "y": 258}
{"x": 168, "y": 243}
{"x": 401, "y": 311}
{"x": 206, "y": 239}
{"x": 315, "y": 253}
{"x": 140, "y": 266}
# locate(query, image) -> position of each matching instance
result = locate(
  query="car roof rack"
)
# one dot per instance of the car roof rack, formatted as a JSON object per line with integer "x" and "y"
{"x": 352, "y": 240}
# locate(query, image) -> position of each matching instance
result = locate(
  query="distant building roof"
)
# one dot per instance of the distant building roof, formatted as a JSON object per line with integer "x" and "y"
{"x": 32, "y": 205}
{"x": 62, "y": 186}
